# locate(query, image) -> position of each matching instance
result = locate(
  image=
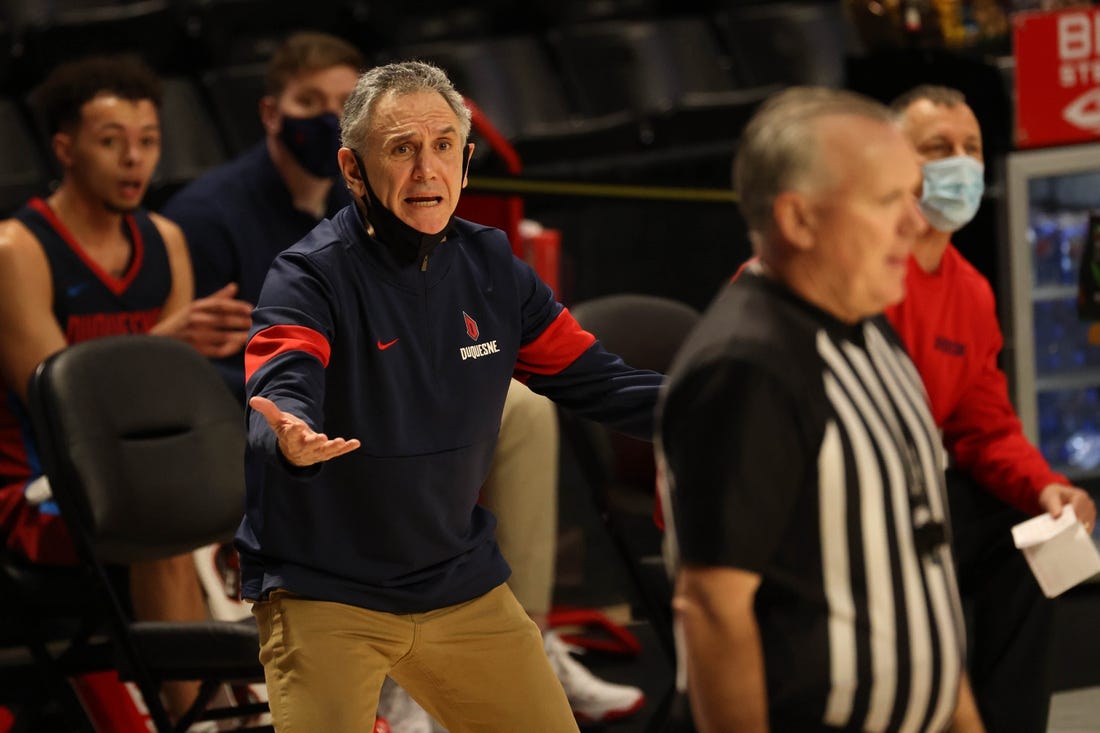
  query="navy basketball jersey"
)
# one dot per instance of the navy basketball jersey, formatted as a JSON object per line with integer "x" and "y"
{"x": 89, "y": 302}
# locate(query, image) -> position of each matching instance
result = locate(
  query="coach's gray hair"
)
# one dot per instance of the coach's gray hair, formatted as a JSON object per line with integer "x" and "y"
{"x": 405, "y": 77}
{"x": 779, "y": 149}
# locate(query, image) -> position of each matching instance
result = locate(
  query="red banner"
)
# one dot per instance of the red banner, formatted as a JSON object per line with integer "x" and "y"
{"x": 1057, "y": 77}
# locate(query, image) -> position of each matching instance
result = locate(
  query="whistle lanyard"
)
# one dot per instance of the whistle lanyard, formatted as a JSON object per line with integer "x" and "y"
{"x": 928, "y": 532}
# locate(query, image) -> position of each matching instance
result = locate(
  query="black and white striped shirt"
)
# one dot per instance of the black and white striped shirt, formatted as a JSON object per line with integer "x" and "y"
{"x": 800, "y": 448}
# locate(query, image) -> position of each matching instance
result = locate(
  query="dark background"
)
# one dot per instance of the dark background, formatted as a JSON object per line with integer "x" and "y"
{"x": 650, "y": 93}
{"x": 620, "y": 92}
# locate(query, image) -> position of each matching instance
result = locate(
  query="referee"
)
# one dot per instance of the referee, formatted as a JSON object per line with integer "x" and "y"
{"x": 799, "y": 462}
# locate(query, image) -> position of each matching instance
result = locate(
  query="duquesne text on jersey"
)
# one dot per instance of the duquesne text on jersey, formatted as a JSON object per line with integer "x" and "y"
{"x": 478, "y": 350}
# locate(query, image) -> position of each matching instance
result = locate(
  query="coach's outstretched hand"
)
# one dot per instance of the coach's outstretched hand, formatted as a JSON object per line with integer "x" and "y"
{"x": 300, "y": 444}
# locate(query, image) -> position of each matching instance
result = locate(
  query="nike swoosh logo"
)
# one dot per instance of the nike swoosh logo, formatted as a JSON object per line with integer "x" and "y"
{"x": 74, "y": 290}
{"x": 388, "y": 344}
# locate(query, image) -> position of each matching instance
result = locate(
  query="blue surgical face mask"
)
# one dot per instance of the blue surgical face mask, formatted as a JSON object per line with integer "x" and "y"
{"x": 314, "y": 142}
{"x": 953, "y": 190}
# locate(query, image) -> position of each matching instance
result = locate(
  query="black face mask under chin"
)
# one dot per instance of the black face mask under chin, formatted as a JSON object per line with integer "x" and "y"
{"x": 406, "y": 243}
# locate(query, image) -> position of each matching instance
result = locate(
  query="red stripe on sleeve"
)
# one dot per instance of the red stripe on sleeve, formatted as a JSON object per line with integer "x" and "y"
{"x": 556, "y": 348}
{"x": 270, "y": 342}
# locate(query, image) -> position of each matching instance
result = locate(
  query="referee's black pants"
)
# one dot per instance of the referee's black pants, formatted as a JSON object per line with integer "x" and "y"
{"x": 1008, "y": 620}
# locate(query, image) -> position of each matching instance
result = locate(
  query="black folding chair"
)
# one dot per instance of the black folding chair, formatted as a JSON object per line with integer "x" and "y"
{"x": 143, "y": 446}
{"x": 48, "y": 635}
{"x": 646, "y": 331}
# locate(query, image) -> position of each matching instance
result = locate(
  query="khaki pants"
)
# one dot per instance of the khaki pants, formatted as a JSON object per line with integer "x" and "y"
{"x": 477, "y": 667}
{"x": 522, "y": 493}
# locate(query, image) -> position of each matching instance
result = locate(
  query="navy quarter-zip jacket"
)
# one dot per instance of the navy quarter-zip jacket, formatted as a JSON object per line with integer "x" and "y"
{"x": 411, "y": 354}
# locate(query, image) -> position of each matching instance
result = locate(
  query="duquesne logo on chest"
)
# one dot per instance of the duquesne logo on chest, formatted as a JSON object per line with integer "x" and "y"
{"x": 478, "y": 350}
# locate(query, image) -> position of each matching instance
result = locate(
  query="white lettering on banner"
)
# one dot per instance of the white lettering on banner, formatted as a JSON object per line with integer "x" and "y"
{"x": 1074, "y": 41}
{"x": 1079, "y": 66}
{"x": 1081, "y": 72}
{"x": 478, "y": 350}
{"x": 1084, "y": 111}
{"x": 1079, "y": 49}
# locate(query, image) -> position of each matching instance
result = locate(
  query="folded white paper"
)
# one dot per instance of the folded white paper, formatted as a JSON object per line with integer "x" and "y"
{"x": 1060, "y": 552}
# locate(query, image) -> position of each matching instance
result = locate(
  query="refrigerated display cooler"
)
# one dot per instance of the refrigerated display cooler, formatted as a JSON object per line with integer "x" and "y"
{"x": 1054, "y": 355}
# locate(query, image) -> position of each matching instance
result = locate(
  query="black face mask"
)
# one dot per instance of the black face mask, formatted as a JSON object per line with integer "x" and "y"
{"x": 314, "y": 142}
{"x": 407, "y": 243}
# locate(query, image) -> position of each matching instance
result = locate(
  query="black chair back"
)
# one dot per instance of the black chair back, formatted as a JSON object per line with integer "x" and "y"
{"x": 646, "y": 331}
{"x": 143, "y": 445}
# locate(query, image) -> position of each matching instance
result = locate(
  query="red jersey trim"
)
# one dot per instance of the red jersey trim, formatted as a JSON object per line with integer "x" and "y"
{"x": 117, "y": 285}
{"x": 270, "y": 342}
{"x": 555, "y": 348}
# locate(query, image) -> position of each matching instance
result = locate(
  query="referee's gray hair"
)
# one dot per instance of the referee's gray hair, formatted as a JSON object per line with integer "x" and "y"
{"x": 401, "y": 78}
{"x": 779, "y": 149}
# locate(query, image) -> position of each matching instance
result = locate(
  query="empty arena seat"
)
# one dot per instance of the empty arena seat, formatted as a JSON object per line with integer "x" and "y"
{"x": 512, "y": 80}
{"x": 671, "y": 73}
{"x": 234, "y": 93}
{"x": 190, "y": 140}
{"x": 23, "y": 169}
{"x": 48, "y": 34}
{"x": 786, "y": 43}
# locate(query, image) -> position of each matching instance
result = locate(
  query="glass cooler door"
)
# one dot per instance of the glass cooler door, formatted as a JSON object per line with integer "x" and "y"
{"x": 1054, "y": 355}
